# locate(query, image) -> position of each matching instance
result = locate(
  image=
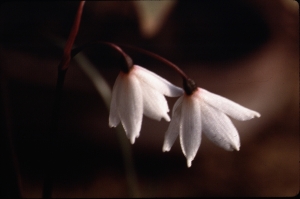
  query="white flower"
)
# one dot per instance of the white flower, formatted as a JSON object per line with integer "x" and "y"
{"x": 205, "y": 111}
{"x": 139, "y": 92}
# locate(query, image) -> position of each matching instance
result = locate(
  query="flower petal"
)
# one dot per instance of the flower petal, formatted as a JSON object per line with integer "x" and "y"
{"x": 174, "y": 126}
{"x": 156, "y": 82}
{"x": 155, "y": 104}
{"x": 218, "y": 128}
{"x": 190, "y": 133}
{"x": 227, "y": 106}
{"x": 114, "y": 118}
{"x": 130, "y": 105}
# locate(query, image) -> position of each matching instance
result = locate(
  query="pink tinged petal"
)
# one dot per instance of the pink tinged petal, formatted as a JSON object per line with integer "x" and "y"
{"x": 227, "y": 106}
{"x": 219, "y": 129}
{"x": 154, "y": 103}
{"x": 174, "y": 126}
{"x": 114, "y": 118}
{"x": 190, "y": 133}
{"x": 130, "y": 105}
{"x": 156, "y": 82}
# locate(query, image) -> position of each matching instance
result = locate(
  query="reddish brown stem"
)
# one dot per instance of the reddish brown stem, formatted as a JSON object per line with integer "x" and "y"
{"x": 189, "y": 85}
{"x": 62, "y": 69}
{"x": 158, "y": 57}
{"x": 64, "y": 64}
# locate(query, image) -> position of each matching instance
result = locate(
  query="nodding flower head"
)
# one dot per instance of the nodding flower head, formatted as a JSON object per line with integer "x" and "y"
{"x": 137, "y": 92}
{"x": 202, "y": 111}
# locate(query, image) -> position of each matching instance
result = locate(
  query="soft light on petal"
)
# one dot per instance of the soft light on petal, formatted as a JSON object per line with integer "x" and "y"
{"x": 218, "y": 128}
{"x": 206, "y": 110}
{"x": 173, "y": 129}
{"x": 158, "y": 83}
{"x": 155, "y": 104}
{"x": 136, "y": 93}
{"x": 190, "y": 133}
{"x": 130, "y": 105}
{"x": 227, "y": 106}
{"x": 114, "y": 119}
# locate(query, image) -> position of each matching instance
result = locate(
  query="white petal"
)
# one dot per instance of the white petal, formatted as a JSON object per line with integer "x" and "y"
{"x": 154, "y": 103}
{"x": 114, "y": 119}
{"x": 173, "y": 129}
{"x": 218, "y": 128}
{"x": 156, "y": 82}
{"x": 190, "y": 133}
{"x": 227, "y": 106}
{"x": 130, "y": 105}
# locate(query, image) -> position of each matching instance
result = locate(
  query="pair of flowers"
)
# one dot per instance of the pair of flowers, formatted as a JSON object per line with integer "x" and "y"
{"x": 138, "y": 92}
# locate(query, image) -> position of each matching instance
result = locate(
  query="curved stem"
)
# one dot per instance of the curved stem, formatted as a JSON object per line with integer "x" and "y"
{"x": 160, "y": 58}
{"x": 189, "y": 85}
{"x": 62, "y": 69}
{"x": 104, "y": 91}
{"x": 116, "y": 47}
{"x": 73, "y": 33}
{"x": 10, "y": 181}
{"x": 126, "y": 63}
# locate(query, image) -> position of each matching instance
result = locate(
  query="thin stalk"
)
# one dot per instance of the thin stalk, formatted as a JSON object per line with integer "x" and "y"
{"x": 105, "y": 92}
{"x": 62, "y": 69}
{"x": 117, "y": 48}
{"x": 160, "y": 58}
{"x": 10, "y": 181}
{"x": 64, "y": 64}
{"x": 189, "y": 85}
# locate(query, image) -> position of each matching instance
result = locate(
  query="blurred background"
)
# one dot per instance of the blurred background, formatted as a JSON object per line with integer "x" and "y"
{"x": 247, "y": 51}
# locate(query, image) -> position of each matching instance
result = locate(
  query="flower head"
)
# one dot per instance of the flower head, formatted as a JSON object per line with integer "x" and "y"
{"x": 139, "y": 92}
{"x": 203, "y": 111}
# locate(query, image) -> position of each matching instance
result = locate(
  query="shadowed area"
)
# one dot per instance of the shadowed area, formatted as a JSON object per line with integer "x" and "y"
{"x": 247, "y": 51}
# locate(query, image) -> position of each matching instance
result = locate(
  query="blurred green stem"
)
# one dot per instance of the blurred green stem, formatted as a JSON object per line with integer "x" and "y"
{"x": 105, "y": 92}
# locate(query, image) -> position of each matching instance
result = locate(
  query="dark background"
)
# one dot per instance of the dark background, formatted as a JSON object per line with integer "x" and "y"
{"x": 247, "y": 51}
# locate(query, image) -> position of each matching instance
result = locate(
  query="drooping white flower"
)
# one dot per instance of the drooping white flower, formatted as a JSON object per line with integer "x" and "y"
{"x": 139, "y": 92}
{"x": 203, "y": 111}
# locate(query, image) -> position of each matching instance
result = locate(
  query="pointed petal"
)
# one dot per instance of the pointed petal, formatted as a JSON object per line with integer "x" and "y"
{"x": 177, "y": 105}
{"x": 219, "y": 129}
{"x": 155, "y": 104}
{"x": 227, "y": 106}
{"x": 114, "y": 119}
{"x": 190, "y": 133}
{"x": 174, "y": 126}
{"x": 156, "y": 82}
{"x": 130, "y": 105}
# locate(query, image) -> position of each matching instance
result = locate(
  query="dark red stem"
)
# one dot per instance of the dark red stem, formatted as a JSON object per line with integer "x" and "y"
{"x": 64, "y": 64}
{"x": 62, "y": 69}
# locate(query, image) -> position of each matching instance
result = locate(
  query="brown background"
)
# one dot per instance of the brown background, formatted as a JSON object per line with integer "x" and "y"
{"x": 247, "y": 51}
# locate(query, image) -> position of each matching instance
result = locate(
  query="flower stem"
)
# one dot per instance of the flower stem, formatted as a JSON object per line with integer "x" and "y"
{"x": 105, "y": 92}
{"x": 62, "y": 69}
{"x": 48, "y": 182}
{"x": 151, "y": 54}
{"x": 64, "y": 64}
{"x": 189, "y": 85}
{"x": 126, "y": 62}
{"x": 117, "y": 48}
{"x": 10, "y": 180}
{"x": 160, "y": 58}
